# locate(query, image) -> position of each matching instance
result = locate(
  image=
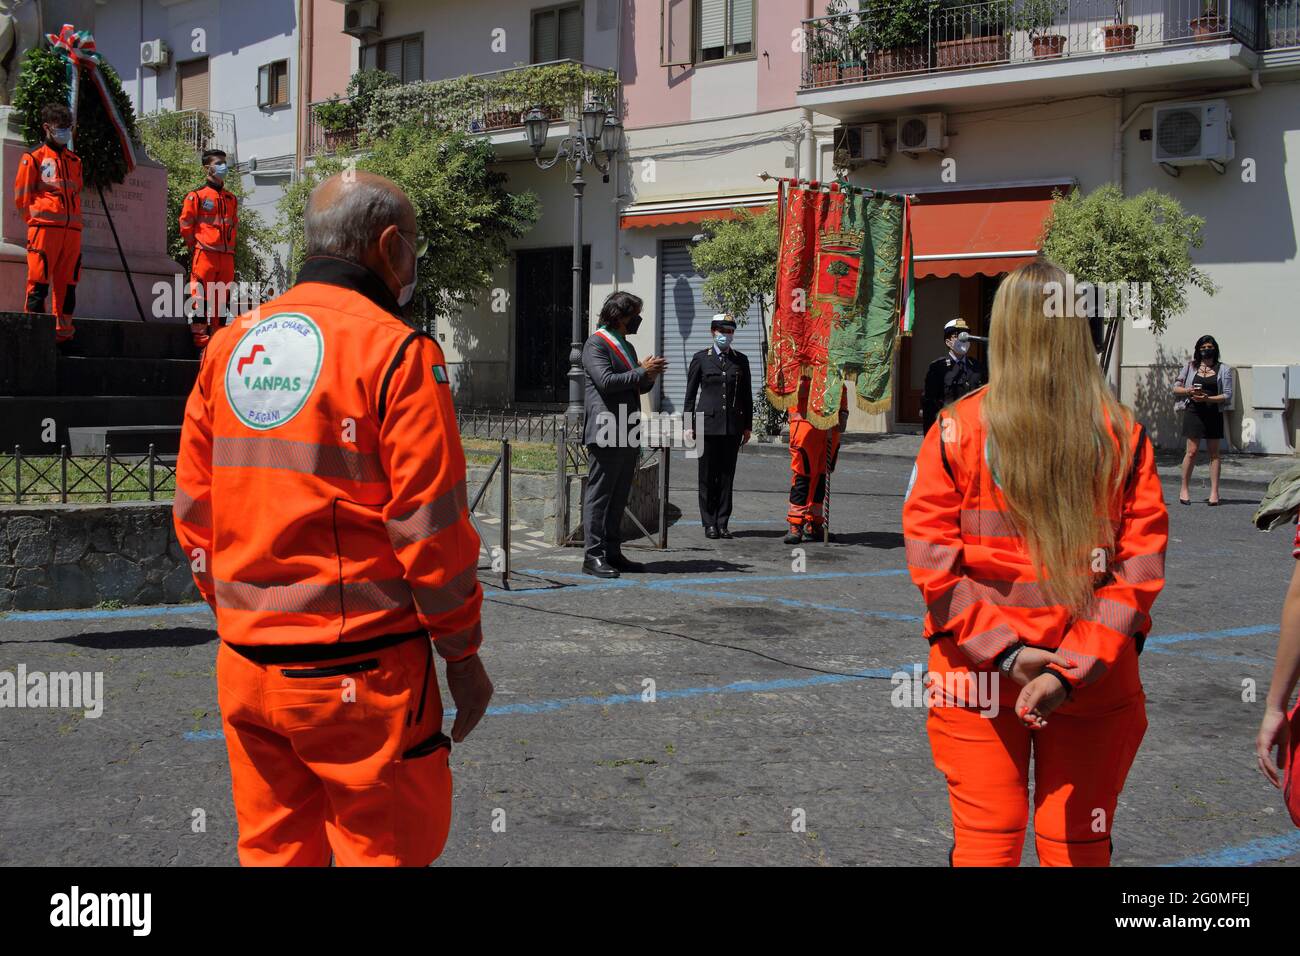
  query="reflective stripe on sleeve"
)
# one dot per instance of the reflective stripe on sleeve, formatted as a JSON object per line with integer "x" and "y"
{"x": 190, "y": 510}
{"x": 429, "y": 519}
{"x": 432, "y": 602}
{"x": 459, "y": 644}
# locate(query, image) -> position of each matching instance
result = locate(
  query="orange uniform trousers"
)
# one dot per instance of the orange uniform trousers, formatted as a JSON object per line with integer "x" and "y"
{"x": 808, "y": 466}
{"x": 1080, "y": 761}
{"x": 53, "y": 269}
{"x": 345, "y": 756}
{"x": 206, "y": 269}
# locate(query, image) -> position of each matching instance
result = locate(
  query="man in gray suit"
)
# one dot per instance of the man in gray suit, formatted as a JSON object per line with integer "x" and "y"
{"x": 615, "y": 383}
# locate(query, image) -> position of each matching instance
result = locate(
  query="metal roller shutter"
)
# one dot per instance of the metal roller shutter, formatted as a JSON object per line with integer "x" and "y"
{"x": 684, "y": 323}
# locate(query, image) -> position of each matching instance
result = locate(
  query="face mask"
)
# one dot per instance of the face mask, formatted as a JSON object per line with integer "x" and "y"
{"x": 219, "y": 170}
{"x": 61, "y": 136}
{"x": 960, "y": 348}
{"x": 633, "y": 324}
{"x": 407, "y": 292}
{"x": 723, "y": 339}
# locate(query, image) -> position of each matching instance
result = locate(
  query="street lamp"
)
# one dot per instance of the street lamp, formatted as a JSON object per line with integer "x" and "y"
{"x": 598, "y": 140}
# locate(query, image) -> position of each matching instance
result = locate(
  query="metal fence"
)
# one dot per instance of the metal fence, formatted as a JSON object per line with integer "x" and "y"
{"x": 85, "y": 479}
{"x": 509, "y": 423}
{"x": 202, "y": 129}
{"x": 874, "y": 42}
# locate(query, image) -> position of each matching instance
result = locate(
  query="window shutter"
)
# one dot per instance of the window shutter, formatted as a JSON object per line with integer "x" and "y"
{"x": 392, "y": 58}
{"x": 570, "y": 45}
{"x": 263, "y": 85}
{"x": 413, "y": 60}
{"x": 713, "y": 24}
{"x": 546, "y": 37}
{"x": 192, "y": 78}
{"x": 742, "y": 22}
{"x": 369, "y": 58}
{"x": 675, "y": 33}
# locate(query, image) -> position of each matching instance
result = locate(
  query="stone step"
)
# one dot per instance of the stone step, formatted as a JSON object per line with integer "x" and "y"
{"x": 23, "y": 419}
{"x": 119, "y": 375}
{"x": 132, "y": 339}
{"x": 124, "y": 439}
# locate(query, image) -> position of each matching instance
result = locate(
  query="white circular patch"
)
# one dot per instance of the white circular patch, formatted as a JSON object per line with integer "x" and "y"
{"x": 274, "y": 369}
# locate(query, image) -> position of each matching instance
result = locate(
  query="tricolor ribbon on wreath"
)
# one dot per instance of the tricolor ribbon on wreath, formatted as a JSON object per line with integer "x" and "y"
{"x": 77, "y": 48}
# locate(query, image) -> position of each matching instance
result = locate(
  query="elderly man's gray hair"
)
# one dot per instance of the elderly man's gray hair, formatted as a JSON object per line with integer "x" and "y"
{"x": 349, "y": 226}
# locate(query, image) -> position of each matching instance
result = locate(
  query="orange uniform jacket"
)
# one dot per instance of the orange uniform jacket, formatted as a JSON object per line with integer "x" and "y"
{"x": 321, "y": 482}
{"x": 975, "y": 574}
{"x": 47, "y": 190}
{"x": 209, "y": 219}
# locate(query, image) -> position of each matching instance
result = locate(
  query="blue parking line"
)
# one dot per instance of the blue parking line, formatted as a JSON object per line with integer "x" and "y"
{"x": 1211, "y": 635}
{"x": 809, "y": 605}
{"x": 1216, "y": 658}
{"x": 106, "y": 614}
{"x": 670, "y": 584}
{"x": 1247, "y": 854}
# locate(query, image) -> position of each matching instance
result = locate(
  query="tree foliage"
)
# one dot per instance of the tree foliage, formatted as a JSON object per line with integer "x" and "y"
{"x": 462, "y": 205}
{"x": 1106, "y": 237}
{"x": 44, "y": 79}
{"x": 737, "y": 258}
{"x": 168, "y": 139}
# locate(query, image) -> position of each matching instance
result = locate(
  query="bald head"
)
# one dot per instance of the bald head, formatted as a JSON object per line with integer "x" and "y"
{"x": 348, "y": 213}
{"x": 365, "y": 219}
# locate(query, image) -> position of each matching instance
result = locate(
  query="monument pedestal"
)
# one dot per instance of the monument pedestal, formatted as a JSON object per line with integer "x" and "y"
{"x": 139, "y": 210}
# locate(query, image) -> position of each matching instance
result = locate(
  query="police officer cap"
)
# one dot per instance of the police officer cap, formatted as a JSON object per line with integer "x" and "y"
{"x": 956, "y": 325}
{"x": 724, "y": 322}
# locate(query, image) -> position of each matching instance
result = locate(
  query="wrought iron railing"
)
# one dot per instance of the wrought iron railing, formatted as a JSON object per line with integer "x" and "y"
{"x": 202, "y": 129}
{"x": 514, "y": 424}
{"x": 479, "y": 103}
{"x": 877, "y": 41}
{"x": 64, "y": 478}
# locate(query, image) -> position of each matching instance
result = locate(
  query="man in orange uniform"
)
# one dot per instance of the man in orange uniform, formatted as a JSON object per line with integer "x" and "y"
{"x": 984, "y": 604}
{"x": 209, "y": 222}
{"x": 48, "y": 194}
{"x": 813, "y": 452}
{"x": 321, "y": 499}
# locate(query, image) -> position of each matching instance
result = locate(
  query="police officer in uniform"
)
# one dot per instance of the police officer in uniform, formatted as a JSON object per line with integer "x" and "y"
{"x": 949, "y": 378}
{"x": 719, "y": 377}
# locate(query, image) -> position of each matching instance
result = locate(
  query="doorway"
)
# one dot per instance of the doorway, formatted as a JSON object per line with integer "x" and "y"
{"x": 544, "y": 322}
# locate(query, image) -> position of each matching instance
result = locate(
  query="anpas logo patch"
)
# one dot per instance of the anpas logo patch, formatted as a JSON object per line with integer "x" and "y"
{"x": 274, "y": 369}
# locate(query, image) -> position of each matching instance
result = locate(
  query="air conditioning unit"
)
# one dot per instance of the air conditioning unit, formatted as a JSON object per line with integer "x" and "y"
{"x": 1186, "y": 134}
{"x": 361, "y": 18}
{"x": 921, "y": 133}
{"x": 863, "y": 143}
{"x": 154, "y": 54}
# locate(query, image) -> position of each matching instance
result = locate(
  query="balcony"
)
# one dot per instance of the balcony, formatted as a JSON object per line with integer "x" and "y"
{"x": 201, "y": 129}
{"x": 876, "y": 59}
{"x": 490, "y": 104}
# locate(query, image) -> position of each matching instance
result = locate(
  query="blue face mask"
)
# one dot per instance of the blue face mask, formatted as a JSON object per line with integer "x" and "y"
{"x": 219, "y": 170}
{"x": 61, "y": 136}
{"x": 723, "y": 339}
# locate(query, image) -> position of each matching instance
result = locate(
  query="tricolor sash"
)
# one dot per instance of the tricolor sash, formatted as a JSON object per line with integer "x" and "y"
{"x": 616, "y": 346}
{"x": 77, "y": 48}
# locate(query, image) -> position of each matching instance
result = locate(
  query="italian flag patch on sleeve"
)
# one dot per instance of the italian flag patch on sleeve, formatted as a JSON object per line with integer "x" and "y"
{"x": 440, "y": 374}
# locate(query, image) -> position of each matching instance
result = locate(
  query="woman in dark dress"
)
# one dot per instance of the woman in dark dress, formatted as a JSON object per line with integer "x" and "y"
{"x": 1204, "y": 388}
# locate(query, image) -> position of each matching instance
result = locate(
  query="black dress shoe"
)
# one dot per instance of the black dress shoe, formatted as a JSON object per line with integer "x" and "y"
{"x": 620, "y": 563}
{"x": 724, "y": 533}
{"x": 599, "y": 567}
{"x": 711, "y": 533}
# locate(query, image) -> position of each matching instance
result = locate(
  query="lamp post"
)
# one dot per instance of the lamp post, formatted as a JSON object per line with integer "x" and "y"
{"x": 597, "y": 141}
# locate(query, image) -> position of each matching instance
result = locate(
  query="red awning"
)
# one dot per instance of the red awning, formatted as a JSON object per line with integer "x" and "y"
{"x": 685, "y": 211}
{"x": 979, "y": 231}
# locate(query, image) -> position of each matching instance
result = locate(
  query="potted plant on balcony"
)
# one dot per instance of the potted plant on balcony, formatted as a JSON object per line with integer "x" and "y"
{"x": 338, "y": 120}
{"x": 1210, "y": 24}
{"x": 974, "y": 34}
{"x": 853, "y": 62}
{"x": 1120, "y": 35}
{"x": 898, "y": 33}
{"x": 823, "y": 53}
{"x": 1037, "y": 17}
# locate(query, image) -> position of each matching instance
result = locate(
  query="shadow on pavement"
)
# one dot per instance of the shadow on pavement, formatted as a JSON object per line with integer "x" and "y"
{"x": 139, "y": 638}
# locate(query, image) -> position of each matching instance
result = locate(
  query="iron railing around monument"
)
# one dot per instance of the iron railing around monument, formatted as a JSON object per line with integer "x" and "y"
{"x": 498, "y": 423}
{"x": 41, "y": 478}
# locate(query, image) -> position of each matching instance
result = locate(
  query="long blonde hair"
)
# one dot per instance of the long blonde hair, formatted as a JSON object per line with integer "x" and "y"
{"x": 1053, "y": 426}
